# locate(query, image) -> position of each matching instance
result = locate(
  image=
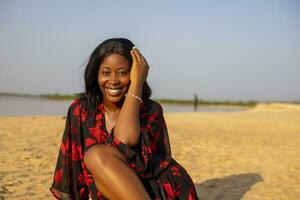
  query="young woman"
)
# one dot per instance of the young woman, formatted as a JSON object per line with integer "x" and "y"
{"x": 115, "y": 144}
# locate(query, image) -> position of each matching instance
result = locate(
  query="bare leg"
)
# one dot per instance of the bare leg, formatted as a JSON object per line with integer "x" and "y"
{"x": 113, "y": 178}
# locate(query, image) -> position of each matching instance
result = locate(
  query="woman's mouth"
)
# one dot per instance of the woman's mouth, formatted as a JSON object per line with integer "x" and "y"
{"x": 114, "y": 91}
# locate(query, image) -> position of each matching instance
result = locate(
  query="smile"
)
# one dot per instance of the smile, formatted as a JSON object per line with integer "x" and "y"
{"x": 114, "y": 92}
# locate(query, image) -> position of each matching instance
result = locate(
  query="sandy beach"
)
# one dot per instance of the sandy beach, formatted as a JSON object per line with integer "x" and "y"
{"x": 251, "y": 155}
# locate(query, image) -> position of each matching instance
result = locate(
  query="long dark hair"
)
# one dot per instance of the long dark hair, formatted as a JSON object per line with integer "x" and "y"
{"x": 93, "y": 95}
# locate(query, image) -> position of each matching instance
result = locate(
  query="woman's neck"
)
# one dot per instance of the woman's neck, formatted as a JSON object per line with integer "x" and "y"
{"x": 112, "y": 107}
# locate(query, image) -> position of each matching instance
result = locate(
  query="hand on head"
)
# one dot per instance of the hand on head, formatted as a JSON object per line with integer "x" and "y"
{"x": 140, "y": 67}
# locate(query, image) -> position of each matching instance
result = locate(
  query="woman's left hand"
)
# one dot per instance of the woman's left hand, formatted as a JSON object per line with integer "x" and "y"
{"x": 139, "y": 68}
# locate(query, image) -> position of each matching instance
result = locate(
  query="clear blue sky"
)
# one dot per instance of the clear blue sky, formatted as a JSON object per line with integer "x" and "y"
{"x": 221, "y": 50}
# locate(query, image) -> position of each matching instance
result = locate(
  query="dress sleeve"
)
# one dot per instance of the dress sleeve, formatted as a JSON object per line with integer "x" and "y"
{"x": 153, "y": 153}
{"x": 68, "y": 182}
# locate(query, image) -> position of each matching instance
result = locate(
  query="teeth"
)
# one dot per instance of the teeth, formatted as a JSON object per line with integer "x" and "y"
{"x": 114, "y": 91}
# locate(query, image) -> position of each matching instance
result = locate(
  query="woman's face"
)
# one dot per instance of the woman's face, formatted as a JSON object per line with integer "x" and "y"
{"x": 114, "y": 78}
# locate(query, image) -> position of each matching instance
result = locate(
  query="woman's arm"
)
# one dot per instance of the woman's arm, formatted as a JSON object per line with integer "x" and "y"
{"x": 127, "y": 128}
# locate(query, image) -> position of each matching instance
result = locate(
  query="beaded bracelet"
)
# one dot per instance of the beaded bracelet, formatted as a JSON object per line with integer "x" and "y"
{"x": 131, "y": 95}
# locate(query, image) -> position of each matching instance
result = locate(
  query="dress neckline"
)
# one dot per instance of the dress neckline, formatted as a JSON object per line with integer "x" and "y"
{"x": 101, "y": 108}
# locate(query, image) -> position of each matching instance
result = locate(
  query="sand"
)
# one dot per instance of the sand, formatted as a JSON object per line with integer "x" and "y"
{"x": 253, "y": 154}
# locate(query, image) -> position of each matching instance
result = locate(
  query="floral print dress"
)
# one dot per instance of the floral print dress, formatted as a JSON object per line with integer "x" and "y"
{"x": 151, "y": 159}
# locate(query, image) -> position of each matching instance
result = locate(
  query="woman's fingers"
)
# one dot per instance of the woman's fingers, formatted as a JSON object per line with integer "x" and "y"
{"x": 139, "y": 70}
{"x": 134, "y": 57}
{"x": 138, "y": 54}
{"x": 140, "y": 57}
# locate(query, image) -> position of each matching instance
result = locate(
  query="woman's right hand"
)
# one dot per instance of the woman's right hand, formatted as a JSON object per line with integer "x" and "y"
{"x": 139, "y": 68}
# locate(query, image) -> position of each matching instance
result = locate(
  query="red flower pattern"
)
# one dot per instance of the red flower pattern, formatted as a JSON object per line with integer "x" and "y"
{"x": 58, "y": 176}
{"x": 90, "y": 141}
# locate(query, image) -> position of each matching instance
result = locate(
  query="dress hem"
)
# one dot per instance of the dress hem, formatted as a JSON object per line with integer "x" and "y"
{"x": 59, "y": 194}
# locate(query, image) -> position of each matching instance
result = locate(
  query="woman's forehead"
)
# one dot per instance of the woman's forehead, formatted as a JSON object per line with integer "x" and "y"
{"x": 115, "y": 60}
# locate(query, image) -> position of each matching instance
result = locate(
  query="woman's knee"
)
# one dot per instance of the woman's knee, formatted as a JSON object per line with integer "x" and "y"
{"x": 101, "y": 155}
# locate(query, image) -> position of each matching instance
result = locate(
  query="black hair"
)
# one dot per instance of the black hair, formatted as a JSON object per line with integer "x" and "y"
{"x": 93, "y": 95}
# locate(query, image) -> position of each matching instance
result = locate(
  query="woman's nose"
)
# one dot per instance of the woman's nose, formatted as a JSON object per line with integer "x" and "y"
{"x": 114, "y": 78}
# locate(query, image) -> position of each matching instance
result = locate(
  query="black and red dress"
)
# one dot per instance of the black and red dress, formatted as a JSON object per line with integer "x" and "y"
{"x": 151, "y": 159}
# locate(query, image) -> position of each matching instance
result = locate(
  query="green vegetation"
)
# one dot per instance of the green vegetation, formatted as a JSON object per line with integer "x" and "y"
{"x": 211, "y": 103}
{"x": 55, "y": 96}
{"x": 58, "y": 96}
{"x": 16, "y": 94}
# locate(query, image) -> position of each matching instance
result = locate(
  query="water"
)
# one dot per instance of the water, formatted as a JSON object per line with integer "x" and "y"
{"x": 12, "y": 106}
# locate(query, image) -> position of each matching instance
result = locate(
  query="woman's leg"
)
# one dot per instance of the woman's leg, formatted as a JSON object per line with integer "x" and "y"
{"x": 113, "y": 178}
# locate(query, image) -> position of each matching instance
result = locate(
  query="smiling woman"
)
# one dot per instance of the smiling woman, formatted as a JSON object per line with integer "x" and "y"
{"x": 116, "y": 144}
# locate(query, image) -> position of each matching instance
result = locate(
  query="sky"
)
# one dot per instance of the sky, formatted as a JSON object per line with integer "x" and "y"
{"x": 219, "y": 50}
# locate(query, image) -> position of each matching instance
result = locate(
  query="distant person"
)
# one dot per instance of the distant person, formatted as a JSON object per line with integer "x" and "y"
{"x": 195, "y": 102}
{"x": 115, "y": 143}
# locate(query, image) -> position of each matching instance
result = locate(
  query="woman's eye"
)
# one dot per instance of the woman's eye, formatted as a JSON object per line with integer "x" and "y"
{"x": 122, "y": 73}
{"x": 105, "y": 73}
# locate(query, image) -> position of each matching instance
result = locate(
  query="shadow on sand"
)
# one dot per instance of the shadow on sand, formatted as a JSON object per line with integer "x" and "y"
{"x": 232, "y": 187}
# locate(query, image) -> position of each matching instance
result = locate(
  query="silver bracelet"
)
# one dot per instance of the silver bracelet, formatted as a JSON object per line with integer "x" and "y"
{"x": 132, "y": 95}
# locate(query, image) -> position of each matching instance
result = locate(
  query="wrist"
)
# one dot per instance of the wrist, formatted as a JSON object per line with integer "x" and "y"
{"x": 134, "y": 96}
{"x": 136, "y": 84}
{"x": 135, "y": 89}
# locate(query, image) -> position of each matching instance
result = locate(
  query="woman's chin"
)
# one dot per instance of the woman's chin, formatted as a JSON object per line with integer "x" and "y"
{"x": 115, "y": 99}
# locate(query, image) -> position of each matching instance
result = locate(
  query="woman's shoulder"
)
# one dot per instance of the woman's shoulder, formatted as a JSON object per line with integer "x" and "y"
{"x": 75, "y": 107}
{"x": 151, "y": 105}
{"x": 75, "y": 102}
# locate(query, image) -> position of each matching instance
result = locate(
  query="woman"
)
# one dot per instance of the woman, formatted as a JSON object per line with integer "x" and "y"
{"x": 115, "y": 144}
